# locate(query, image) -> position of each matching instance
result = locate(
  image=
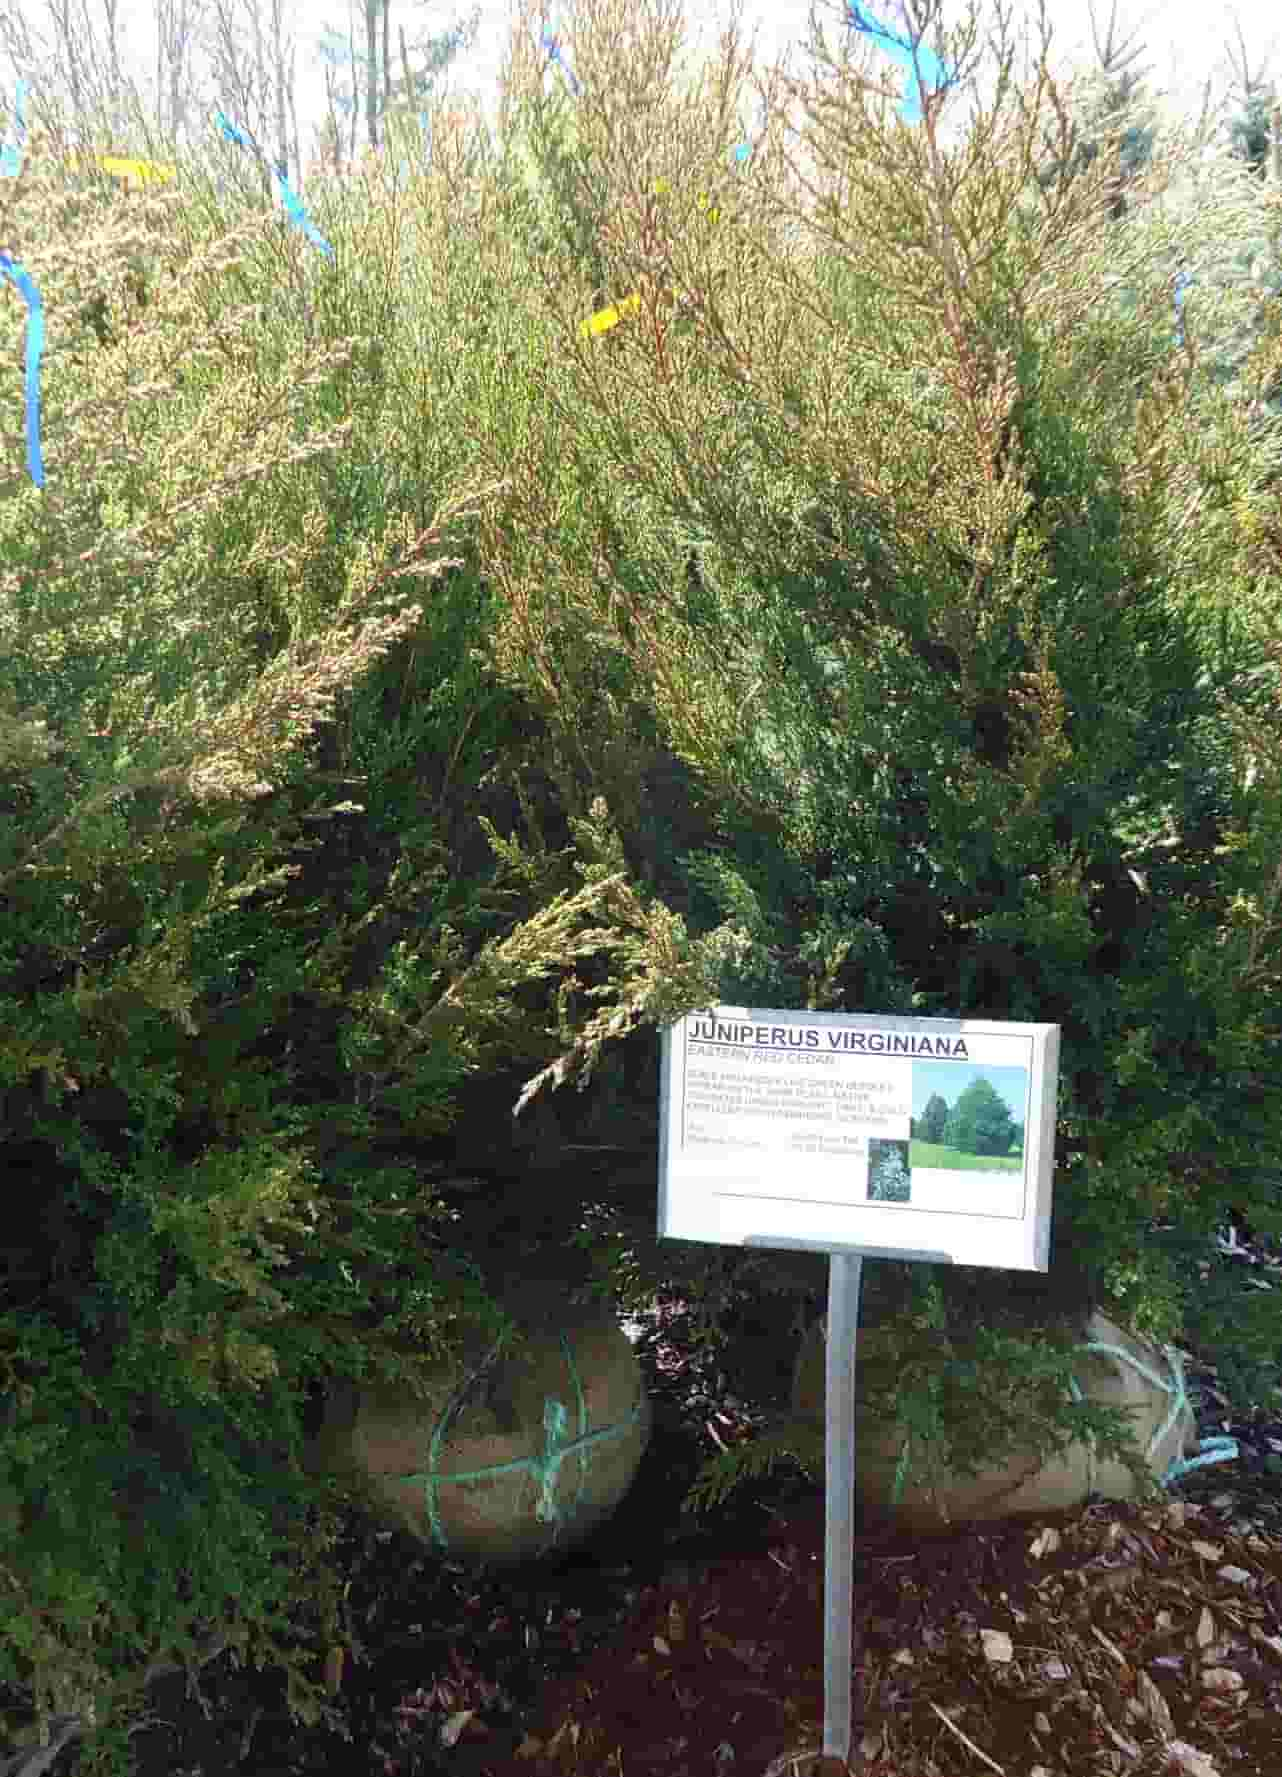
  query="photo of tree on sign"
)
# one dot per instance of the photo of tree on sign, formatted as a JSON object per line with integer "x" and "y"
{"x": 968, "y": 1122}
{"x": 889, "y": 1172}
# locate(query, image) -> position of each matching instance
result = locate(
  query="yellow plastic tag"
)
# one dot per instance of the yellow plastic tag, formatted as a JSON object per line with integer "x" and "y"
{"x": 139, "y": 170}
{"x": 605, "y": 319}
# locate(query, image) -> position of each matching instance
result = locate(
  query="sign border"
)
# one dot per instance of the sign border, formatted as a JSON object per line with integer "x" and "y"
{"x": 1028, "y": 1244}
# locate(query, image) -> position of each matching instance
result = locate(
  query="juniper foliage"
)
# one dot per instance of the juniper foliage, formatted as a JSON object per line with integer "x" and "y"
{"x": 986, "y": 610}
{"x": 373, "y": 771}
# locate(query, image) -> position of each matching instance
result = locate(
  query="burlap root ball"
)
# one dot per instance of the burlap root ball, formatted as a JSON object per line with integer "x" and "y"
{"x": 517, "y": 1453}
{"x": 1022, "y": 1485}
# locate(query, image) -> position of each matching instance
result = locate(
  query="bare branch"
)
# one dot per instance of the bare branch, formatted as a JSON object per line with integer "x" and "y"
{"x": 1248, "y": 84}
{"x": 1114, "y": 58}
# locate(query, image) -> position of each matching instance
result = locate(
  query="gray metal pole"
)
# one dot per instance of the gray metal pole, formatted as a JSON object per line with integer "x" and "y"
{"x": 844, "y": 1273}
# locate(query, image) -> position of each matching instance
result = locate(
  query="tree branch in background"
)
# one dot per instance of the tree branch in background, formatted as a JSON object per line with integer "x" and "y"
{"x": 371, "y": 70}
{"x": 387, "y": 53}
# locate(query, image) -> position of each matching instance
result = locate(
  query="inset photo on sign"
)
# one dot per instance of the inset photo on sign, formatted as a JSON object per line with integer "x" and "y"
{"x": 968, "y": 1119}
{"x": 890, "y": 1178}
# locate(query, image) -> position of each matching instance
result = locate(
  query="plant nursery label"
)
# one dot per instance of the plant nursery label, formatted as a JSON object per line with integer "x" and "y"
{"x": 910, "y": 1138}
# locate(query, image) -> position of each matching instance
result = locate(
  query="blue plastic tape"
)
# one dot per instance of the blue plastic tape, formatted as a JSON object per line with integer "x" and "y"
{"x": 552, "y": 44}
{"x": 10, "y": 166}
{"x": 299, "y": 217}
{"x": 289, "y": 198}
{"x": 233, "y": 134}
{"x": 35, "y": 346}
{"x": 913, "y": 57}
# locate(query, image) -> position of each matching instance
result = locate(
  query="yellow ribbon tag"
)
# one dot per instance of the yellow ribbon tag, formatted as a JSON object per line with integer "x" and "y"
{"x": 605, "y": 319}
{"x": 139, "y": 171}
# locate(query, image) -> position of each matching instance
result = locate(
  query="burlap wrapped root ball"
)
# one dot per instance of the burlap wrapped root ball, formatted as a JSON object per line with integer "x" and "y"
{"x": 1023, "y": 1484}
{"x": 517, "y": 1453}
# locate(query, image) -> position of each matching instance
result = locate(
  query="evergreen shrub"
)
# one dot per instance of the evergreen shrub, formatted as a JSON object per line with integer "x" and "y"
{"x": 409, "y": 704}
{"x": 982, "y": 620}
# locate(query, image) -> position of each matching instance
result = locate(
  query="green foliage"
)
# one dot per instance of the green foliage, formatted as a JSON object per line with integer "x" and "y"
{"x": 951, "y": 1159}
{"x": 553, "y": 206}
{"x": 262, "y": 932}
{"x": 980, "y": 1122}
{"x": 933, "y": 1118}
{"x": 968, "y": 651}
{"x": 1233, "y": 1323}
{"x": 946, "y": 1413}
{"x": 888, "y": 1177}
{"x": 964, "y": 1416}
{"x": 1112, "y": 123}
{"x": 373, "y": 764}
{"x": 790, "y": 1441}
{"x": 1251, "y": 131}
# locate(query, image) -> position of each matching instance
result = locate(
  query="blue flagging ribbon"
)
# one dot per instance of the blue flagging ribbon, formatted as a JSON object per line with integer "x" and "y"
{"x": 552, "y": 44}
{"x": 299, "y": 217}
{"x": 288, "y": 197}
{"x": 10, "y": 167}
{"x": 914, "y": 58}
{"x": 1182, "y": 283}
{"x": 233, "y": 134}
{"x": 35, "y": 345}
{"x": 746, "y": 150}
{"x": 12, "y": 152}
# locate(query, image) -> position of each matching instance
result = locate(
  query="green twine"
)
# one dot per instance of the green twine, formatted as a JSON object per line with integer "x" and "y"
{"x": 1210, "y": 1449}
{"x": 545, "y": 1468}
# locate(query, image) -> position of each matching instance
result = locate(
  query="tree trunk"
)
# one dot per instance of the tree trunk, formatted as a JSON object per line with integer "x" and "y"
{"x": 371, "y": 70}
{"x": 405, "y": 66}
{"x": 284, "y": 85}
{"x": 387, "y": 54}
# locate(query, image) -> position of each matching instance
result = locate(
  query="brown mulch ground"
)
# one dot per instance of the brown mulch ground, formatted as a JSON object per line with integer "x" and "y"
{"x": 1108, "y": 1640}
{"x": 1113, "y": 1640}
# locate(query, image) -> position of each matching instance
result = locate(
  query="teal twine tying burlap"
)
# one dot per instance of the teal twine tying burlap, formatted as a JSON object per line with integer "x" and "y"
{"x": 545, "y": 1468}
{"x": 1210, "y": 1449}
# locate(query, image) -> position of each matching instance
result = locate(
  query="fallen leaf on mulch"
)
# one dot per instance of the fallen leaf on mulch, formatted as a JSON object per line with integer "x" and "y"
{"x": 453, "y": 1726}
{"x": 1190, "y": 1761}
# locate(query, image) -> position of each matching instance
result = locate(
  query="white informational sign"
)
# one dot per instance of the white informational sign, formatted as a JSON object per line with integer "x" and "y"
{"x": 893, "y": 1137}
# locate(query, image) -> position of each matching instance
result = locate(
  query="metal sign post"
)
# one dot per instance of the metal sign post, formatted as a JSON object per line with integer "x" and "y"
{"x": 844, "y": 1273}
{"x": 860, "y": 1136}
